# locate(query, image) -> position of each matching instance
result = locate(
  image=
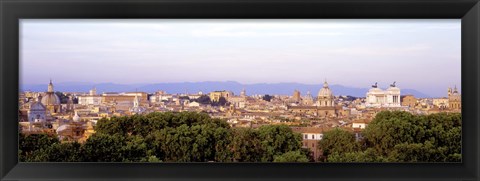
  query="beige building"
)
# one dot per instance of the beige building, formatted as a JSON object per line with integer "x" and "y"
{"x": 360, "y": 123}
{"x": 324, "y": 107}
{"x": 128, "y": 97}
{"x": 310, "y": 138}
{"x": 454, "y": 99}
{"x": 409, "y": 100}
{"x": 238, "y": 101}
{"x": 216, "y": 95}
{"x": 308, "y": 99}
{"x": 296, "y": 96}
{"x": 90, "y": 99}
{"x": 441, "y": 102}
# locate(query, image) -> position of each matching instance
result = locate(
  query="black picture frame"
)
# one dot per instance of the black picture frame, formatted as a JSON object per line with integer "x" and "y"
{"x": 13, "y": 10}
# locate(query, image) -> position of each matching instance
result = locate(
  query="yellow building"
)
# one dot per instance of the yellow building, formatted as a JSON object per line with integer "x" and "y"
{"x": 109, "y": 98}
{"x": 296, "y": 96}
{"x": 441, "y": 102}
{"x": 324, "y": 107}
{"x": 216, "y": 95}
{"x": 454, "y": 99}
{"x": 409, "y": 100}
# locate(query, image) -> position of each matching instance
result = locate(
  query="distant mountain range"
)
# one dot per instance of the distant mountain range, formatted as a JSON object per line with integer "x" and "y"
{"x": 194, "y": 87}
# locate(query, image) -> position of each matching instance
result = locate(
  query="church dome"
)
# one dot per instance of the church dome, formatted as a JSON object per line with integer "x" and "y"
{"x": 37, "y": 106}
{"x": 50, "y": 99}
{"x": 325, "y": 91}
{"x": 455, "y": 91}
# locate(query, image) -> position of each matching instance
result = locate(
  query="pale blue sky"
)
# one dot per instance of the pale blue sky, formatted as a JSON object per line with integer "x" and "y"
{"x": 418, "y": 54}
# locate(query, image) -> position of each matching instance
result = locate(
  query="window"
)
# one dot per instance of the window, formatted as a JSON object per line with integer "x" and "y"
{"x": 313, "y": 136}
{"x": 306, "y": 136}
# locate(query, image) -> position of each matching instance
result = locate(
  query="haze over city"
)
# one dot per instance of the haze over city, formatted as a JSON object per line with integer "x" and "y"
{"x": 418, "y": 54}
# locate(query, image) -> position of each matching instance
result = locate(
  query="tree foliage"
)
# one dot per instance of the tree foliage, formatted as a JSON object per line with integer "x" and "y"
{"x": 203, "y": 99}
{"x": 168, "y": 137}
{"x": 267, "y": 97}
{"x": 31, "y": 144}
{"x": 338, "y": 141}
{"x": 291, "y": 156}
{"x": 397, "y": 136}
{"x": 278, "y": 139}
{"x": 196, "y": 137}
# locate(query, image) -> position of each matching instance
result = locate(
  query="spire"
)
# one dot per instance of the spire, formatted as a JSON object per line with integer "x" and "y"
{"x": 325, "y": 84}
{"x": 50, "y": 86}
{"x": 93, "y": 91}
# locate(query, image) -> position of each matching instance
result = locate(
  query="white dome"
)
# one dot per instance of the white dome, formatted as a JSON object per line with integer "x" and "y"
{"x": 50, "y": 99}
{"x": 325, "y": 91}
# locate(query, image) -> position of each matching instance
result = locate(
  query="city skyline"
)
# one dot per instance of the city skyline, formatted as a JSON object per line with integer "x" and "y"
{"x": 418, "y": 54}
{"x": 281, "y": 89}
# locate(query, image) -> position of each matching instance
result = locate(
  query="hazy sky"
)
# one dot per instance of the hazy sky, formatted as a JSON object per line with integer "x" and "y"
{"x": 418, "y": 54}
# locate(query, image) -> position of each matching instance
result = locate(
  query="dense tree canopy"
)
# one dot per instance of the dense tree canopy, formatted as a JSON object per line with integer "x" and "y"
{"x": 291, "y": 156}
{"x": 203, "y": 99}
{"x": 397, "y": 136}
{"x": 267, "y": 97}
{"x": 170, "y": 137}
{"x": 338, "y": 141}
{"x": 196, "y": 137}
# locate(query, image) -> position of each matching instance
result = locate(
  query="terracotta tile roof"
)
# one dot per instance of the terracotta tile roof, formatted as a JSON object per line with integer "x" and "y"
{"x": 311, "y": 129}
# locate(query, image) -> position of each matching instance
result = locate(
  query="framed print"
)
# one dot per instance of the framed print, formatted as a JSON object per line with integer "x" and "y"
{"x": 239, "y": 90}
